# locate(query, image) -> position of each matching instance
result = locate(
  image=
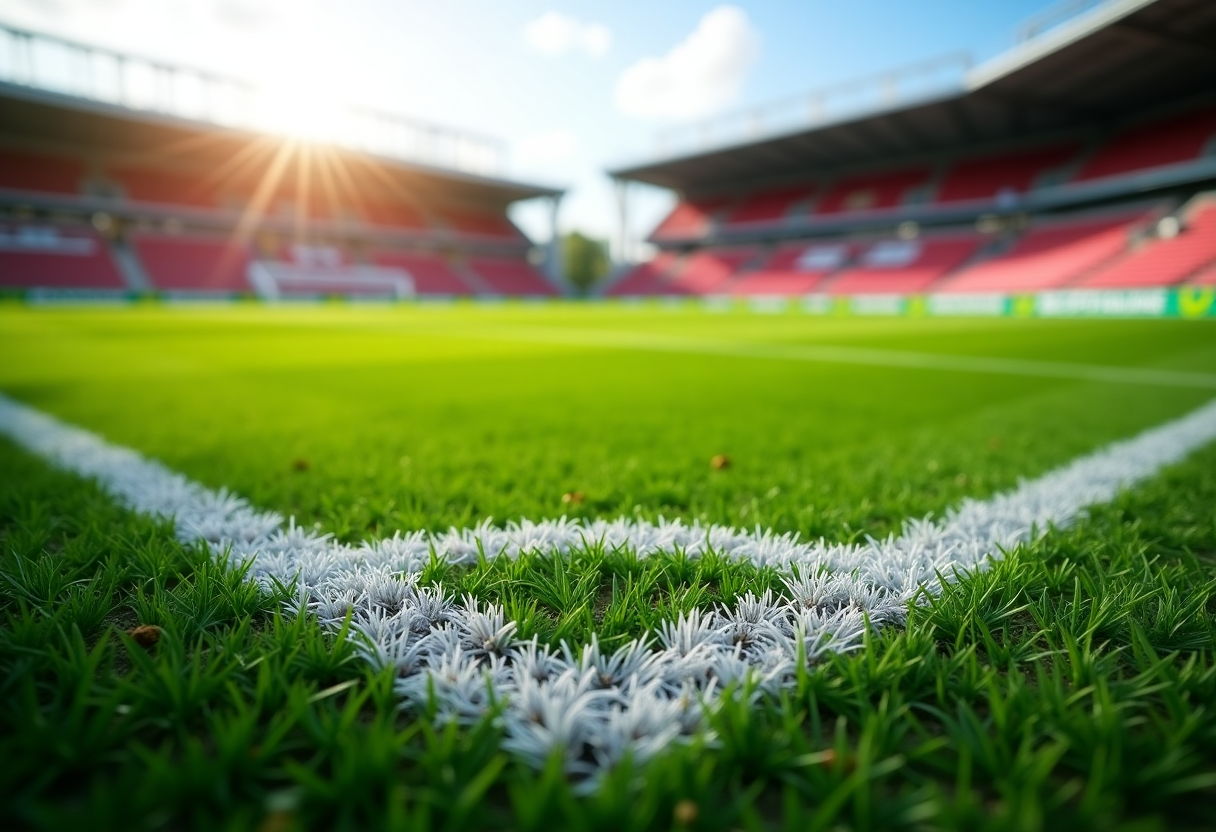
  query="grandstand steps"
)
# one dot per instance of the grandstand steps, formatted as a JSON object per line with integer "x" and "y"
{"x": 830, "y": 279}
{"x": 1156, "y": 260}
{"x": 982, "y": 253}
{"x": 472, "y": 278}
{"x": 1205, "y": 276}
{"x": 129, "y": 266}
{"x": 1136, "y": 240}
{"x": 742, "y": 271}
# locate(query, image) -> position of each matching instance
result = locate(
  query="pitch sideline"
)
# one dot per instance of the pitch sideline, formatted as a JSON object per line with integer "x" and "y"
{"x": 590, "y": 706}
{"x": 845, "y": 355}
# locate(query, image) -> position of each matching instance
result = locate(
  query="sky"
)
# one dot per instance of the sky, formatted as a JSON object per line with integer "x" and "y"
{"x": 573, "y": 88}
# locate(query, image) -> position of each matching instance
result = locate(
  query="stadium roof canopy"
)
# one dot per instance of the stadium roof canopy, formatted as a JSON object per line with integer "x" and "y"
{"x": 1121, "y": 58}
{"x": 52, "y": 104}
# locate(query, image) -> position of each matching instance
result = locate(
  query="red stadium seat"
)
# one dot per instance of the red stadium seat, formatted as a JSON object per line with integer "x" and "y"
{"x": 37, "y": 172}
{"x": 793, "y": 270}
{"x": 706, "y": 272}
{"x": 1049, "y": 256}
{"x": 193, "y": 263}
{"x": 1164, "y": 262}
{"x": 768, "y": 206}
{"x": 432, "y": 275}
{"x": 166, "y": 188}
{"x": 990, "y": 177}
{"x": 482, "y": 225}
{"x": 42, "y": 256}
{"x": 511, "y": 277}
{"x": 1182, "y": 138}
{"x": 904, "y": 266}
{"x": 395, "y": 214}
{"x": 1205, "y": 277}
{"x": 688, "y": 220}
{"x": 649, "y": 278}
{"x": 872, "y": 192}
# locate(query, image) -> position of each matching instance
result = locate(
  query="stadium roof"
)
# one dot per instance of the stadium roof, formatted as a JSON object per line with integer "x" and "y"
{"x": 48, "y": 105}
{"x": 1120, "y": 58}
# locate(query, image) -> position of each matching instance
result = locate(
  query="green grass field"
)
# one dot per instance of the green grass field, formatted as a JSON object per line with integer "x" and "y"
{"x": 1071, "y": 685}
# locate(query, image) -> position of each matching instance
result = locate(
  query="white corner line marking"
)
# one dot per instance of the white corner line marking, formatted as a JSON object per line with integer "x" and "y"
{"x": 591, "y": 706}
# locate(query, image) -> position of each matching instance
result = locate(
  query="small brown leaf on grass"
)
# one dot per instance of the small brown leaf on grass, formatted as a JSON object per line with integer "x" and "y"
{"x": 300, "y": 465}
{"x": 685, "y": 813}
{"x": 719, "y": 462}
{"x": 574, "y": 498}
{"x": 145, "y": 635}
{"x": 278, "y": 820}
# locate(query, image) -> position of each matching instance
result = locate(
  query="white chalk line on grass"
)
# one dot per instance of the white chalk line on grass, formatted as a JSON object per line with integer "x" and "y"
{"x": 591, "y": 706}
{"x": 853, "y": 356}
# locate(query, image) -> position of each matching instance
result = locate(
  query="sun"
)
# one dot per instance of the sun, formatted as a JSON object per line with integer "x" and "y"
{"x": 298, "y": 94}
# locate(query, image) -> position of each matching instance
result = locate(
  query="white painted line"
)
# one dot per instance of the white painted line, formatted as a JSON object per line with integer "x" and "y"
{"x": 591, "y": 706}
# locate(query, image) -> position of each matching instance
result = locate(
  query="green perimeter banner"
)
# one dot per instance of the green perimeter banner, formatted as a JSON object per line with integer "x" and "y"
{"x": 1190, "y": 302}
{"x": 1185, "y": 302}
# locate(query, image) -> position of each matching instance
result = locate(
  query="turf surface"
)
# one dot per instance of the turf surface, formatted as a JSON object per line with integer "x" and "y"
{"x": 1070, "y": 685}
{"x": 408, "y": 419}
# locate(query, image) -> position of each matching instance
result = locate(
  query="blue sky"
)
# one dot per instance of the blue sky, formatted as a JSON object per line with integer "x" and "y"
{"x": 572, "y": 87}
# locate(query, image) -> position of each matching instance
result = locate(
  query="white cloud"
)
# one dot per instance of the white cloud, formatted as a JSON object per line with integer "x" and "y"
{"x": 701, "y": 74}
{"x": 554, "y": 33}
{"x": 547, "y": 146}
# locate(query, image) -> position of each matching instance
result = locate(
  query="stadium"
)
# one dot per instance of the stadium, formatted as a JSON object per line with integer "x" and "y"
{"x": 866, "y": 483}
{"x": 1080, "y": 160}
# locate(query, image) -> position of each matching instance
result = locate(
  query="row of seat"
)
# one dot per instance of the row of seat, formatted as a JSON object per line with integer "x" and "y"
{"x": 79, "y": 258}
{"x": 988, "y": 178}
{"x": 1112, "y": 250}
{"x": 40, "y": 173}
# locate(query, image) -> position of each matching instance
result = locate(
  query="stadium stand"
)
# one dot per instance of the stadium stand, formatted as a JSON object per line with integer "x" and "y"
{"x": 904, "y": 266}
{"x": 768, "y": 206}
{"x": 793, "y": 270}
{"x": 165, "y": 187}
{"x": 649, "y": 278}
{"x": 482, "y": 225}
{"x": 1050, "y": 255}
{"x": 193, "y": 263}
{"x": 707, "y": 271}
{"x": 38, "y": 172}
{"x": 1205, "y": 277}
{"x": 1044, "y": 168}
{"x": 1164, "y": 261}
{"x": 510, "y": 277}
{"x": 688, "y": 219}
{"x": 170, "y": 192}
{"x": 872, "y": 192}
{"x": 393, "y": 215}
{"x": 996, "y": 177}
{"x": 49, "y": 256}
{"x": 1181, "y": 138}
{"x": 431, "y": 273}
